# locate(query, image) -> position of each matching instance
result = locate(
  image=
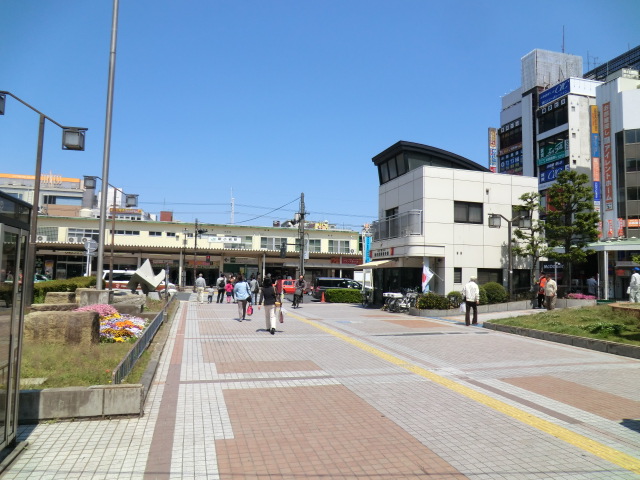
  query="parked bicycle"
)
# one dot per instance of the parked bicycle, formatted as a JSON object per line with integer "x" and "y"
{"x": 398, "y": 302}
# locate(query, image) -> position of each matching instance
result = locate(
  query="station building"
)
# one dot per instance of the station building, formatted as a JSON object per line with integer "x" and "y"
{"x": 69, "y": 218}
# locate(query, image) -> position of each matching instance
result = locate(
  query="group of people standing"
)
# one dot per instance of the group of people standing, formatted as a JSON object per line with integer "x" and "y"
{"x": 250, "y": 292}
{"x": 547, "y": 292}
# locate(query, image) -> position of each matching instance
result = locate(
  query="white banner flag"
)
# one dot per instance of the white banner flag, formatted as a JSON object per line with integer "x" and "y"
{"x": 427, "y": 274}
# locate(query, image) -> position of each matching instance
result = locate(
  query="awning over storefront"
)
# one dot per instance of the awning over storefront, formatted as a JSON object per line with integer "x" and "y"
{"x": 376, "y": 264}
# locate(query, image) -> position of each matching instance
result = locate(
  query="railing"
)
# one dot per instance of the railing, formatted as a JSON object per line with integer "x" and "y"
{"x": 400, "y": 225}
{"x": 128, "y": 362}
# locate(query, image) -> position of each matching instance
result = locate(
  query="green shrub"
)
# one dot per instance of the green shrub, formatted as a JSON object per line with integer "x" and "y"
{"x": 483, "y": 296}
{"x": 605, "y": 328}
{"x": 455, "y": 298}
{"x": 432, "y": 301}
{"x": 41, "y": 289}
{"x": 496, "y": 293}
{"x": 342, "y": 295}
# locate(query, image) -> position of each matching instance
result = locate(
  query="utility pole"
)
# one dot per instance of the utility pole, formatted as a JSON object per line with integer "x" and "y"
{"x": 300, "y": 218}
{"x": 197, "y": 233}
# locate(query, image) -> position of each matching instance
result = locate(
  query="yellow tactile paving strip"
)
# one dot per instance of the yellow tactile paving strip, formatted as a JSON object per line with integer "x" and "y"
{"x": 602, "y": 451}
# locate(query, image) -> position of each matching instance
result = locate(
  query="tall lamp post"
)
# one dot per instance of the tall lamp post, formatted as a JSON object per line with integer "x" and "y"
{"x": 298, "y": 218}
{"x": 197, "y": 233}
{"x": 72, "y": 139}
{"x": 131, "y": 200}
{"x": 524, "y": 222}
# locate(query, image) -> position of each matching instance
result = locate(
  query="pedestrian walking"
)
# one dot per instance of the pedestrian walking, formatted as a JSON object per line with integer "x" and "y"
{"x": 301, "y": 286}
{"x": 634, "y": 286}
{"x": 254, "y": 285}
{"x": 210, "y": 295}
{"x": 268, "y": 298}
{"x": 592, "y": 286}
{"x": 550, "y": 293}
{"x": 242, "y": 294}
{"x": 220, "y": 284}
{"x": 200, "y": 286}
{"x": 233, "y": 280}
{"x": 471, "y": 293}
{"x": 229, "y": 289}
{"x": 541, "y": 283}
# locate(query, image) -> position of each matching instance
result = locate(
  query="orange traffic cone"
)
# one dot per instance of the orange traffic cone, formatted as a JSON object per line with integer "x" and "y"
{"x": 322, "y": 299}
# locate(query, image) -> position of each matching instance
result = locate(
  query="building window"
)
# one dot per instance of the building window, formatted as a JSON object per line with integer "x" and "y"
{"x": 171, "y": 234}
{"x": 339, "y": 246}
{"x": 552, "y": 116}
{"x": 271, "y": 243}
{"x": 457, "y": 275}
{"x": 314, "y": 246}
{"x": 467, "y": 212}
{"x": 127, "y": 232}
{"x": 61, "y": 200}
{"x": 486, "y": 275}
{"x": 82, "y": 233}
{"x": 155, "y": 234}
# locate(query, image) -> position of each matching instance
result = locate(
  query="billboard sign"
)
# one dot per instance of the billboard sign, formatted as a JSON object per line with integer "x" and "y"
{"x": 607, "y": 161}
{"x": 493, "y": 149}
{"x": 553, "y": 152}
{"x": 549, "y": 173}
{"x": 555, "y": 92}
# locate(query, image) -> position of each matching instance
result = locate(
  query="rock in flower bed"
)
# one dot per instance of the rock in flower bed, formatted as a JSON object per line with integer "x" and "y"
{"x": 115, "y": 327}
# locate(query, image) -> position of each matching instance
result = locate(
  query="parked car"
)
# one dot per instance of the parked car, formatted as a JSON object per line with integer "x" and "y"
{"x": 289, "y": 286}
{"x": 322, "y": 284}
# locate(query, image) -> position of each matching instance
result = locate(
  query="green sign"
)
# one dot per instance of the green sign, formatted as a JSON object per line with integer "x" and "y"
{"x": 553, "y": 152}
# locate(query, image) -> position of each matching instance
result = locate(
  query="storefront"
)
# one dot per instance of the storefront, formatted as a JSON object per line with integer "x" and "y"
{"x": 14, "y": 234}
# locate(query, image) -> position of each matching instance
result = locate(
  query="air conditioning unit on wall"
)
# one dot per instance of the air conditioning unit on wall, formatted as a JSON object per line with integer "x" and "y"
{"x": 85, "y": 239}
{"x": 41, "y": 238}
{"x": 73, "y": 240}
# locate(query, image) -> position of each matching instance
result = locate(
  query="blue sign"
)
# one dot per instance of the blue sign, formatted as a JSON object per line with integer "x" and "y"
{"x": 595, "y": 145}
{"x": 550, "y": 173}
{"x": 596, "y": 192}
{"x": 367, "y": 249}
{"x": 550, "y": 94}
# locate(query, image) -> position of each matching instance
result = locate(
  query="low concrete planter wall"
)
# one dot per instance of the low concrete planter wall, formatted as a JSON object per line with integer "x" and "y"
{"x": 502, "y": 307}
{"x": 98, "y": 401}
{"x": 590, "y": 343}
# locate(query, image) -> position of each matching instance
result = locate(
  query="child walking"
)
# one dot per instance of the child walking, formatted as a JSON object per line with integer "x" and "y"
{"x": 229, "y": 289}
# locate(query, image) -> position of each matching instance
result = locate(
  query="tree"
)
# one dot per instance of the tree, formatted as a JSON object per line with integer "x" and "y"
{"x": 571, "y": 223}
{"x": 530, "y": 242}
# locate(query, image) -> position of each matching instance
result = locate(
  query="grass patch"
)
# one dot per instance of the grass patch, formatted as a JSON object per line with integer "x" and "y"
{"x": 84, "y": 365}
{"x": 600, "y": 322}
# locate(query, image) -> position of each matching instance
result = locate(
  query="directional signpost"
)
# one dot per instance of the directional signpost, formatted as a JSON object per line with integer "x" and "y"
{"x": 90, "y": 246}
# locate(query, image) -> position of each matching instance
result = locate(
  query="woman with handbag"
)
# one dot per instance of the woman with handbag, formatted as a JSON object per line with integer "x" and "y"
{"x": 269, "y": 298}
{"x": 242, "y": 294}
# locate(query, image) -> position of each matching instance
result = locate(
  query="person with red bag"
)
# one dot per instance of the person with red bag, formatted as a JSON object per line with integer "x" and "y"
{"x": 269, "y": 298}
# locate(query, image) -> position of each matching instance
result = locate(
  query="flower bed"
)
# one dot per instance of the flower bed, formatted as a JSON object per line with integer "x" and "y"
{"x": 115, "y": 327}
{"x": 580, "y": 296}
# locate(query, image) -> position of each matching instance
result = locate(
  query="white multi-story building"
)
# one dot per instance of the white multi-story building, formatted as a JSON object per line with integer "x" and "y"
{"x": 433, "y": 210}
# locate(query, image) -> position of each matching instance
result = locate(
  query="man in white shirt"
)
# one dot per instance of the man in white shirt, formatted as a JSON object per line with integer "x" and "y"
{"x": 634, "y": 286}
{"x": 471, "y": 293}
{"x": 200, "y": 286}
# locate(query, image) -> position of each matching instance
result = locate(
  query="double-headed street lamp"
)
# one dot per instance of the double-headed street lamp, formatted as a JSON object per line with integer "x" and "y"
{"x": 131, "y": 201}
{"x": 72, "y": 139}
{"x": 524, "y": 222}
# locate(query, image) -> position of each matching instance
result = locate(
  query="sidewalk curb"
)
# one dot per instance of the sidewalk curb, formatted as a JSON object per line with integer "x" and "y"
{"x": 604, "y": 346}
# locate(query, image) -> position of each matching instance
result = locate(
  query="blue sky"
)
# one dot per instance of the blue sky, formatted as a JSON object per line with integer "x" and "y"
{"x": 265, "y": 99}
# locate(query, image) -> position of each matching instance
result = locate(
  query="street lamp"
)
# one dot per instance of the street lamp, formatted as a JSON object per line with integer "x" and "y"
{"x": 72, "y": 139}
{"x": 525, "y": 222}
{"x": 198, "y": 232}
{"x": 131, "y": 200}
{"x": 298, "y": 218}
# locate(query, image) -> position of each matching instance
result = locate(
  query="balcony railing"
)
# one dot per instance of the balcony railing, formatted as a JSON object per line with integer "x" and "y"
{"x": 400, "y": 225}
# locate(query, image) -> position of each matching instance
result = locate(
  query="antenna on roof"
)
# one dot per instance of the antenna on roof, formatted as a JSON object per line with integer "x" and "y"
{"x": 563, "y": 39}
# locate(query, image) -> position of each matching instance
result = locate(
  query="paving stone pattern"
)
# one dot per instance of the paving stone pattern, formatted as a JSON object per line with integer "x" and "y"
{"x": 340, "y": 392}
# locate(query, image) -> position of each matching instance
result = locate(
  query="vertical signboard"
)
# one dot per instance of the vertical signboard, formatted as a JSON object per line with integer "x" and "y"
{"x": 595, "y": 157}
{"x": 607, "y": 163}
{"x": 493, "y": 149}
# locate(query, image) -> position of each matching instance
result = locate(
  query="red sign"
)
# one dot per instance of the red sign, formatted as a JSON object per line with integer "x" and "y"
{"x": 608, "y": 164}
{"x": 346, "y": 261}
